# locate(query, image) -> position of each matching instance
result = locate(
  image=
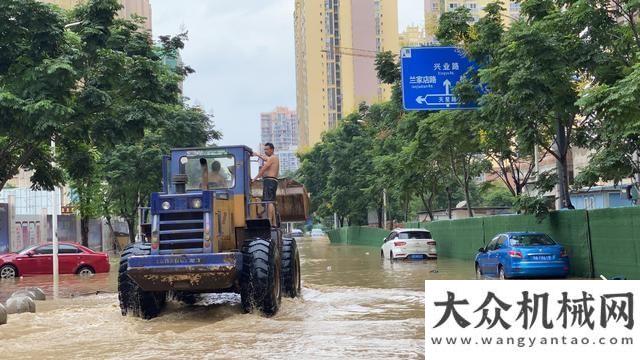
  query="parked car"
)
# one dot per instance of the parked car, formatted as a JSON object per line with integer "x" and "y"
{"x": 317, "y": 233}
{"x": 297, "y": 233}
{"x": 38, "y": 260}
{"x": 520, "y": 255}
{"x": 409, "y": 244}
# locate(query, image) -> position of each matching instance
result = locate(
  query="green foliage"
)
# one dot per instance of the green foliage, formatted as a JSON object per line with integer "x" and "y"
{"x": 494, "y": 195}
{"x": 565, "y": 74}
{"x": 36, "y": 82}
{"x": 533, "y": 205}
{"x": 328, "y": 170}
{"x": 100, "y": 89}
{"x": 454, "y": 26}
{"x": 387, "y": 67}
{"x": 614, "y": 111}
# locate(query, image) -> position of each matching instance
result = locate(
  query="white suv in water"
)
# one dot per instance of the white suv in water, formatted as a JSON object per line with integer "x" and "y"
{"x": 409, "y": 244}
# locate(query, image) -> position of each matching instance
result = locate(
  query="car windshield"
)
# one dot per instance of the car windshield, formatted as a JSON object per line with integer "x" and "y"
{"x": 531, "y": 240}
{"x": 219, "y": 170}
{"x": 414, "y": 235}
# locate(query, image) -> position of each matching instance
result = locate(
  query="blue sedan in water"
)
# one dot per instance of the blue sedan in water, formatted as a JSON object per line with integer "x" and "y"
{"x": 522, "y": 255}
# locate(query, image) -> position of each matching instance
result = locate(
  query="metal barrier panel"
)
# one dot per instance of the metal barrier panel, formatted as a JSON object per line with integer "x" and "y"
{"x": 358, "y": 235}
{"x": 615, "y": 241}
{"x": 458, "y": 239}
{"x": 599, "y": 242}
{"x": 569, "y": 228}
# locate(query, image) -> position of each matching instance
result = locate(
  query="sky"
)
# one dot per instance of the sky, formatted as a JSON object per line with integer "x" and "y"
{"x": 244, "y": 56}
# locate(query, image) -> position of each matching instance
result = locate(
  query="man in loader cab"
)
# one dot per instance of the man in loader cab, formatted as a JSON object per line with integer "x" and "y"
{"x": 269, "y": 174}
{"x": 217, "y": 179}
{"x": 214, "y": 179}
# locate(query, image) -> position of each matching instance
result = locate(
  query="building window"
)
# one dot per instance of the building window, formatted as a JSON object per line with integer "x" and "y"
{"x": 453, "y": 6}
{"x": 471, "y": 6}
{"x": 514, "y": 6}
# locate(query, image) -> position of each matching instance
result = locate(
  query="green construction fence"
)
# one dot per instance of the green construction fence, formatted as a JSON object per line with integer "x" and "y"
{"x": 358, "y": 235}
{"x": 615, "y": 241}
{"x": 603, "y": 241}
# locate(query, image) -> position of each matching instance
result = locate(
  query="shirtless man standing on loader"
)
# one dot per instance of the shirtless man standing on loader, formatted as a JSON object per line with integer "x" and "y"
{"x": 269, "y": 174}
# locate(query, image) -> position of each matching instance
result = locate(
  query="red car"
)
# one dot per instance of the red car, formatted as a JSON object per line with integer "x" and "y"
{"x": 38, "y": 260}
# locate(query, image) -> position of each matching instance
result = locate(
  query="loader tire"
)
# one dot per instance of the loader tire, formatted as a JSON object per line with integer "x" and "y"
{"x": 133, "y": 300}
{"x": 260, "y": 286}
{"x": 291, "y": 283}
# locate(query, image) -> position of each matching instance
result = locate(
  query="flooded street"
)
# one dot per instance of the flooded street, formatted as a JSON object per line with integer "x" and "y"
{"x": 354, "y": 306}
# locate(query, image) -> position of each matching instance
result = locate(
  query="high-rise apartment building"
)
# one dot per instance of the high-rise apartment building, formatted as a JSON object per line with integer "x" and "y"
{"x": 434, "y": 8}
{"x": 280, "y": 127}
{"x": 129, "y": 8}
{"x": 336, "y": 44}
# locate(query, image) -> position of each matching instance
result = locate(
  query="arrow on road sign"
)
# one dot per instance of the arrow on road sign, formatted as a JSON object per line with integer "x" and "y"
{"x": 447, "y": 86}
{"x": 421, "y": 99}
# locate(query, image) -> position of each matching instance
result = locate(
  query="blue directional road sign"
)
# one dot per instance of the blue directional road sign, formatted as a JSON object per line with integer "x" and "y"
{"x": 429, "y": 75}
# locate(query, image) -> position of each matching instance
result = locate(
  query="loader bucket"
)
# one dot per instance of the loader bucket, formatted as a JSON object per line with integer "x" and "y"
{"x": 292, "y": 199}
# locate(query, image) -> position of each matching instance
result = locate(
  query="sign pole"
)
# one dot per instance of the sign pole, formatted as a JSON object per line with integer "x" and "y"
{"x": 54, "y": 230}
{"x": 384, "y": 208}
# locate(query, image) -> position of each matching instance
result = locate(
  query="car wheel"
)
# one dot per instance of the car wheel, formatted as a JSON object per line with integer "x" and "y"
{"x": 382, "y": 254}
{"x": 501, "y": 273}
{"x": 8, "y": 272}
{"x": 85, "y": 271}
{"x": 391, "y": 255}
{"x": 478, "y": 272}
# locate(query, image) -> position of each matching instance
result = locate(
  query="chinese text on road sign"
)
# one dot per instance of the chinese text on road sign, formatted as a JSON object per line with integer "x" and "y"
{"x": 429, "y": 75}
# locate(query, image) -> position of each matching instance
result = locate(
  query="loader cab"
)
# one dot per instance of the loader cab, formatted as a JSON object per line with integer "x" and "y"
{"x": 204, "y": 203}
{"x": 222, "y": 169}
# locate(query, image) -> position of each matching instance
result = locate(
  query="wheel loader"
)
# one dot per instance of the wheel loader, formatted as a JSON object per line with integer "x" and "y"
{"x": 209, "y": 231}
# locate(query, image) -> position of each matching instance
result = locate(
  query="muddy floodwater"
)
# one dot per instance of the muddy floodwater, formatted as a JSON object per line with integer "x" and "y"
{"x": 354, "y": 305}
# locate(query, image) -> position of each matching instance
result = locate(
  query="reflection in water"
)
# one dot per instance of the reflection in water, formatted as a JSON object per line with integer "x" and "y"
{"x": 354, "y": 305}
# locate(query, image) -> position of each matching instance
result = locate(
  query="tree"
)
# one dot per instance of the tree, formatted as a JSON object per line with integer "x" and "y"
{"x": 453, "y": 27}
{"x": 118, "y": 94}
{"x": 455, "y": 141}
{"x": 313, "y": 173}
{"x": 127, "y": 111}
{"x": 36, "y": 82}
{"x": 615, "y": 112}
{"x": 611, "y": 102}
{"x": 133, "y": 170}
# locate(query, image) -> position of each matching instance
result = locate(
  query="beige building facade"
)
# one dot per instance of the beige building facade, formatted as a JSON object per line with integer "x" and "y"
{"x": 129, "y": 8}
{"x": 336, "y": 45}
{"x": 412, "y": 36}
{"x": 434, "y": 8}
